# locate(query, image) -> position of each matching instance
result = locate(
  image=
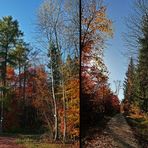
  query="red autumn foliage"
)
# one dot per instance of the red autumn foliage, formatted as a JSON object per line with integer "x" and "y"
{"x": 10, "y": 73}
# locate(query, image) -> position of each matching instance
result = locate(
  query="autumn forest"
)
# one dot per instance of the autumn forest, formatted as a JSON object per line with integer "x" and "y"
{"x": 56, "y": 89}
{"x": 40, "y": 85}
{"x": 106, "y": 120}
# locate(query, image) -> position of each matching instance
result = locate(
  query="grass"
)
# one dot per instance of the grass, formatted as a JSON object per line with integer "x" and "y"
{"x": 29, "y": 143}
{"x": 140, "y": 127}
{"x": 37, "y": 142}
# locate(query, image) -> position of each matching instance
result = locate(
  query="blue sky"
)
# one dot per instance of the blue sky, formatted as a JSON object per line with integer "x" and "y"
{"x": 24, "y": 11}
{"x": 116, "y": 62}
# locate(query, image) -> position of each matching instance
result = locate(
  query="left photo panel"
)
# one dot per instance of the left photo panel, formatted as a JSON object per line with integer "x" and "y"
{"x": 39, "y": 73}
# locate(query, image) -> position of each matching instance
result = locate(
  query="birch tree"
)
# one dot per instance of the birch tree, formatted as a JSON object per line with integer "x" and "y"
{"x": 49, "y": 24}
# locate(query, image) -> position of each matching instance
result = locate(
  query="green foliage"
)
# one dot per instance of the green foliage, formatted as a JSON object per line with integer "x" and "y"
{"x": 9, "y": 32}
{"x": 129, "y": 87}
{"x": 129, "y": 82}
{"x": 140, "y": 125}
{"x": 9, "y": 37}
{"x": 143, "y": 65}
{"x": 136, "y": 81}
{"x": 20, "y": 54}
{"x": 54, "y": 54}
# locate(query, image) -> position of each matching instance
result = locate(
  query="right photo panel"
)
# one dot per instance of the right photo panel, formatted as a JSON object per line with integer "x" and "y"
{"x": 114, "y": 74}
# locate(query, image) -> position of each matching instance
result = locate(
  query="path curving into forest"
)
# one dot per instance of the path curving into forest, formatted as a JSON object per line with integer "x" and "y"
{"x": 8, "y": 142}
{"x": 117, "y": 134}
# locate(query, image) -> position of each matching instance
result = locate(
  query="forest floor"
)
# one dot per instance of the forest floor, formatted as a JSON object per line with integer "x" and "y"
{"x": 9, "y": 142}
{"x": 116, "y": 134}
{"x": 30, "y": 141}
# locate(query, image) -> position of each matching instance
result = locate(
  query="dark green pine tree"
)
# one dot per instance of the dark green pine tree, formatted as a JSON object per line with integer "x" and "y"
{"x": 143, "y": 65}
{"x": 9, "y": 37}
{"x": 55, "y": 60}
{"x": 129, "y": 88}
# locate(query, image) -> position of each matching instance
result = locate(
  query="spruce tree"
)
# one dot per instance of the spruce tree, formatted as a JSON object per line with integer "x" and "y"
{"x": 143, "y": 65}
{"x": 129, "y": 89}
{"x": 9, "y": 37}
{"x": 55, "y": 61}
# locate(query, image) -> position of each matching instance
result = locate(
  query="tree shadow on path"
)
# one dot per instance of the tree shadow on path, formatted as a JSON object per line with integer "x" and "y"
{"x": 122, "y": 133}
{"x": 116, "y": 133}
{"x": 90, "y": 130}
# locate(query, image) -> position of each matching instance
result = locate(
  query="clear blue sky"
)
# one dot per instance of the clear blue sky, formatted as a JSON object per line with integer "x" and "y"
{"x": 116, "y": 62}
{"x": 24, "y": 11}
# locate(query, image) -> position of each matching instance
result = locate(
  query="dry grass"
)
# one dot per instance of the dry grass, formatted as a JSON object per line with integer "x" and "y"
{"x": 42, "y": 143}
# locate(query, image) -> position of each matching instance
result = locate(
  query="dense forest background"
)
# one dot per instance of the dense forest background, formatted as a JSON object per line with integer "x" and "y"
{"x": 135, "y": 102}
{"x": 41, "y": 95}
{"x": 40, "y": 83}
{"x": 136, "y": 83}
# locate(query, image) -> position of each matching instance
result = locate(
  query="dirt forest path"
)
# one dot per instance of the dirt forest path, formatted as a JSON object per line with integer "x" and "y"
{"x": 117, "y": 134}
{"x": 8, "y": 142}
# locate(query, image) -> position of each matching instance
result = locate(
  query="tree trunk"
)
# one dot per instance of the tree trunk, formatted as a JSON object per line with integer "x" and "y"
{"x": 20, "y": 86}
{"x": 4, "y": 89}
{"x": 64, "y": 106}
{"x": 1, "y": 118}
{"x": 24, "y": 85}
{"x": 24, "y": 98}
{"x": 64, "y": 116}
{"x": 55, "y": 106}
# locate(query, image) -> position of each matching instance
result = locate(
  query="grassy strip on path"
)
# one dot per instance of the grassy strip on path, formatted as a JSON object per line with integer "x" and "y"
{"x": 140, "y": 128}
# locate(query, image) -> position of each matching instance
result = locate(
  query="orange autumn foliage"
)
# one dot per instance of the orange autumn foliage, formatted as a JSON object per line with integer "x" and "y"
{"x": 10, "y": 73}
{"x": 72, "y": 109}
{"x": 94, "y": 26}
